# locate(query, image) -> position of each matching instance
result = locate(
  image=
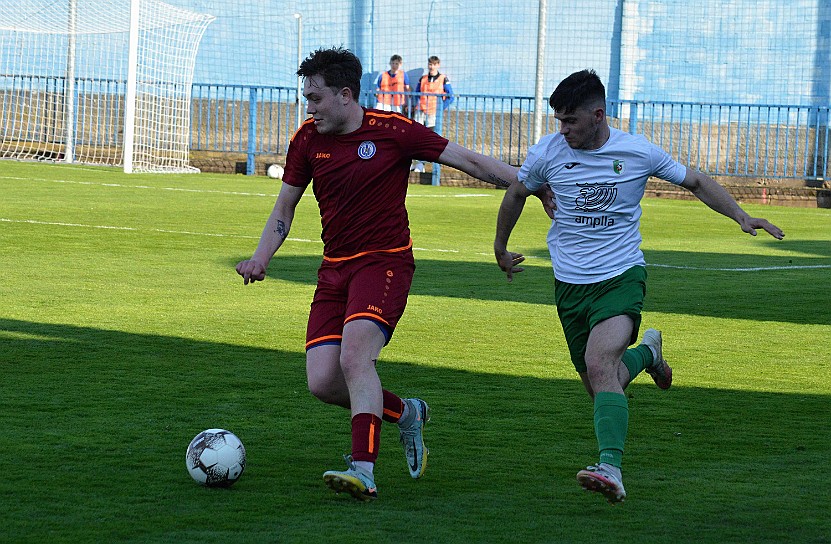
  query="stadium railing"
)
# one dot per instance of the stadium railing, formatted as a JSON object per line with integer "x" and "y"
{"x": 244, "y": 128}
{"x": 770, "y": 141}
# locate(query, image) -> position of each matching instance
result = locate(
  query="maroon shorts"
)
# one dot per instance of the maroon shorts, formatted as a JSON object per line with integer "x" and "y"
{"x": 373, "y": 286}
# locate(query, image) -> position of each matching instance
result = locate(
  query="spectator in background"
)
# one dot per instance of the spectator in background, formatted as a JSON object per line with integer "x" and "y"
{"x": 433, "y": 82}
{"x": 394, "y": 80}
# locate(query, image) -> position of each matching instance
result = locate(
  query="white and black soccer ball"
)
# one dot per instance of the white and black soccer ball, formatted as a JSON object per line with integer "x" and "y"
{"x": 215, "y": 458}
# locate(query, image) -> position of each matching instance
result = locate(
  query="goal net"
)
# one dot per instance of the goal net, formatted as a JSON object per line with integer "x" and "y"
{"x": 98, "y": 82}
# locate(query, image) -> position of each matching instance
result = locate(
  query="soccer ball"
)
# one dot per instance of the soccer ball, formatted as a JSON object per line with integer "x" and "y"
{"x": 215, "y": 458}
{"x": 275, "y": 171}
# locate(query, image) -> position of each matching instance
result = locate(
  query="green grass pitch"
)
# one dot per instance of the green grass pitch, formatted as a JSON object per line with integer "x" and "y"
{"x": 124, "y": 331}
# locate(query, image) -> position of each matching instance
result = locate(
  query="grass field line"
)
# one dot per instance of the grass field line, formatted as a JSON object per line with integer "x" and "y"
{"x": 742, "y": 269}
{"x": 215, "y": 191}
{"x": 711, "y": 268}
{"x": 134, "y": 229}
{"x": 431, "y": 250}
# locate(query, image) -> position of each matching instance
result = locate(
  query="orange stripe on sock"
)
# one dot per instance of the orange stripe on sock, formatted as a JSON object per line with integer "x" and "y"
{"x": 372, "y": 437}
{"x": 392, "y": 413}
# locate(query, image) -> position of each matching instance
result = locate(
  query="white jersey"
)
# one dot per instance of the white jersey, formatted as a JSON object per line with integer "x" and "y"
{"x": 596, "y": 234}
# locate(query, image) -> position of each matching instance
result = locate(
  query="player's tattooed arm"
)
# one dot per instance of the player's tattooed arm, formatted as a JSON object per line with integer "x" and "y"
{"x": 281, "y": 229}
{"x": 498, "y": 181}
{"x": 488, "y": 169}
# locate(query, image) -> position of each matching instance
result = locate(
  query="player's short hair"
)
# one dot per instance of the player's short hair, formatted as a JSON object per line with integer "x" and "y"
{"x": 339, "y": 68}
{"x": 433, "y": 59}
{"x": 396, "y": 58}
{"x": 577, "y": 90}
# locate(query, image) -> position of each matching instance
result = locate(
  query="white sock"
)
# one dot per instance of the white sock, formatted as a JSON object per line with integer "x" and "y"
{"x": 654, "y": 353}
{"x": 405, "y": 414}
{"x": 366, "y": 466}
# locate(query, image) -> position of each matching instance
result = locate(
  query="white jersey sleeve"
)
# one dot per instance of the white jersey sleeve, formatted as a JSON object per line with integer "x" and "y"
{"x": 665, "y": 167}
{"x": 532, "y": 173}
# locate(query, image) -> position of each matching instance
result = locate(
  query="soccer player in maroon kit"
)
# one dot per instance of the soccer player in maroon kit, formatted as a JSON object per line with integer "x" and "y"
{"x": 359, "y": 162}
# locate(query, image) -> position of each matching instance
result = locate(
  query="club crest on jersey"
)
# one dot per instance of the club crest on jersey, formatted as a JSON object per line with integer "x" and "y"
{"x": 617, "y": 166}
{"x": 366, "y": 150}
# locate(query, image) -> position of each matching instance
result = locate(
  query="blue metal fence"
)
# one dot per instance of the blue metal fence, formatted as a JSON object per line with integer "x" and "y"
{"x": 735, "y": 140}
{"x": 739, "y": 140}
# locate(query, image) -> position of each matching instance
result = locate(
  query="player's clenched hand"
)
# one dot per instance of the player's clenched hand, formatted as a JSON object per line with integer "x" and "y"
{"x": 750, "y": 225}
{"x": 251, "y": 271}
{"x": 508, "y": 261}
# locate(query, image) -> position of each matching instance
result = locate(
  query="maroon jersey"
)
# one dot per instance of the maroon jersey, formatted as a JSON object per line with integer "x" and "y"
{"x": 360, "y": 180}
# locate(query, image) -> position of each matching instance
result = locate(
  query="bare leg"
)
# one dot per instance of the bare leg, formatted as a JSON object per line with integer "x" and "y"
{"x": 605, "y": 379}
{"x": 325, "y": 377}
{"x": 607, "y": 342}
{"x": 361, "y": 344}
{"x": 622, "y": 374}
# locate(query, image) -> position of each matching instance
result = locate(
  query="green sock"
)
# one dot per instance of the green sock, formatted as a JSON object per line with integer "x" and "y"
{"x": 636, "y": 359}
{"x": 611, "y": 421}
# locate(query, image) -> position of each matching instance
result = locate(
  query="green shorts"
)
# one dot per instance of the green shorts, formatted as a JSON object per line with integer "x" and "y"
{"x": 581, "y": 307}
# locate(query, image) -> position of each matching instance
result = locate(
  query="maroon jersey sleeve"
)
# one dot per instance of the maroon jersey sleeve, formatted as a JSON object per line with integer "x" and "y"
{"x": 423, "y": 143}
{"x": 298, "y": 170}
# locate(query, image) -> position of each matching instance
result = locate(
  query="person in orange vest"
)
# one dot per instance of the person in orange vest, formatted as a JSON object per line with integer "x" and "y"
{"x": 394, "y": 80}
{"x": 432, "y": 82}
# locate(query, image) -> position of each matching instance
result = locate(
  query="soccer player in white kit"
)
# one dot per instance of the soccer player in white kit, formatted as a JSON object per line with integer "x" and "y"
{"x": 598, "y": 175}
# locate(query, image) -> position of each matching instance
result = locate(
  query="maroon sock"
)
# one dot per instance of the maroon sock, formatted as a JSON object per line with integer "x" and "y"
{"x": 366, "y": 437}
{"x": 393, "y": 407}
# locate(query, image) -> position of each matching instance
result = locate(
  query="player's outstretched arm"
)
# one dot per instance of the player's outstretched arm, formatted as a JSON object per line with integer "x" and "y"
{"x": 489, "y": 170}
{"x": 509, "y": 211}
{"x": 708, "y": 191}
{"x": 274, "y": 234}
{"x": 480, "y": 166}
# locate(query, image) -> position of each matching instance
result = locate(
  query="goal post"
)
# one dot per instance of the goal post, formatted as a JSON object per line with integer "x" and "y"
{"x": 103, "y": 82}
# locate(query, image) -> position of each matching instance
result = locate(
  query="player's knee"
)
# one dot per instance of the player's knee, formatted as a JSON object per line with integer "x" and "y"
{"x": 325, "y": 392}
{"x": 356, "y": 360}
{"x": 598, "y": 371}
{"x": 353, "y": 363}
{"x": 318, "y": 390}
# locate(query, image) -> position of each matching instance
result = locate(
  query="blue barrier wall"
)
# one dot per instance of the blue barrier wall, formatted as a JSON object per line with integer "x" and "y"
{"x": 763, "y": 52}
{"x": 725, "y": 51}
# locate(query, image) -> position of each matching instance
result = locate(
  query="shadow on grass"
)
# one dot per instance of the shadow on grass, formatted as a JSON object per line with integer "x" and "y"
{"x": 101, "y": 419}
{"x": 679, "y": 282}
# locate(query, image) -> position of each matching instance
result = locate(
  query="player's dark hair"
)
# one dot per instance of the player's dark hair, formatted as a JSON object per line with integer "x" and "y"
{"x": 396, "y": 58}
{"x": 339, "y": 68}
{"x": 434, "y": 59}
{"x": 577, "y": 90}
